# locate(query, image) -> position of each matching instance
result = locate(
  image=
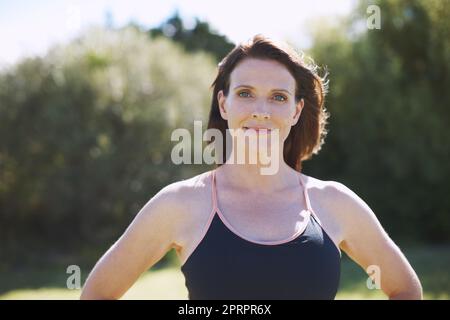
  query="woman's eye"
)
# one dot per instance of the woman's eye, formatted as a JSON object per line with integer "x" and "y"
{"x": 279, "y": 97}
{"x": 244, "y": 94}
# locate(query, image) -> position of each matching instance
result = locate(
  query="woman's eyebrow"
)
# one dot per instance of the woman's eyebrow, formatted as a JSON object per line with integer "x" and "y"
{"x": 250, "y": 87}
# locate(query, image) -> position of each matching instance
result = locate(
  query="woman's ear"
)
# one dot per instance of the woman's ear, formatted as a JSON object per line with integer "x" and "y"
{"x": 298, "y": 111}
{"x": 221, "y": 98}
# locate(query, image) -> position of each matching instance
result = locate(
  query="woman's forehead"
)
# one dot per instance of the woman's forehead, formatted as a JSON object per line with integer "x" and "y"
{"x": 262, "y": 73}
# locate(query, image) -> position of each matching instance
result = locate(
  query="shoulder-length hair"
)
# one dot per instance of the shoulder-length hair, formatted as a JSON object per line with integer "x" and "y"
{"x": 308, "y": 135}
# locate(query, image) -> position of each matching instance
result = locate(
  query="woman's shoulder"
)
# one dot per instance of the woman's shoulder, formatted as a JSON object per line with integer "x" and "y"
{"x": 343, "y": 204}
{"x": 187, "y": 197}
{"x": 189, "y": 188}
{"x": 328, "y": 190}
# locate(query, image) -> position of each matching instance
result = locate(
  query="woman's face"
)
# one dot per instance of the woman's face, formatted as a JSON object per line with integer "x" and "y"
{"x": 261, "y": 95}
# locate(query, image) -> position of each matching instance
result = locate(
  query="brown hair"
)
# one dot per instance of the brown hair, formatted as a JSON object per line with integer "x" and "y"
{"x": 307, "y": 136}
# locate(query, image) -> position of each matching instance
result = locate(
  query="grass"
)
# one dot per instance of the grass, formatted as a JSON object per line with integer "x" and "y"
{"x": 432, "y": 264}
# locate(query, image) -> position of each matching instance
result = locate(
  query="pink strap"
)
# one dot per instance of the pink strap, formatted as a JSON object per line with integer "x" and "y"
{"x": 308, "y": 203}
{"x": 214, "y": 192}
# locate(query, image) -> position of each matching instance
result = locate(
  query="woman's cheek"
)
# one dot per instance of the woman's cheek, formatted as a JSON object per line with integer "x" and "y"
{"x": 236, "y": 117}
{"x": 241, "y": 111}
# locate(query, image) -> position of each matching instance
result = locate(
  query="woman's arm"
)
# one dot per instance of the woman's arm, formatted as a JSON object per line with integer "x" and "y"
{"x": 145, "y": 242}
{"x": 366, "y": 242}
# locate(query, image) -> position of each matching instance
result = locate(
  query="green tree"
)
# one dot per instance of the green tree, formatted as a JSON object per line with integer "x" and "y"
{"x": 200, "y": 38}
{"x": 85, "y": 137}
{"x": 389, "y": 113}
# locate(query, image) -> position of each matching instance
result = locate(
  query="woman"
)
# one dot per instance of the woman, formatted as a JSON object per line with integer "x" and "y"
{"x": 241, "y": 234}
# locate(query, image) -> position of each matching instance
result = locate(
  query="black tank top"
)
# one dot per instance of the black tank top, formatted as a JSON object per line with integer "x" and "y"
{"x": 225, "y": 265}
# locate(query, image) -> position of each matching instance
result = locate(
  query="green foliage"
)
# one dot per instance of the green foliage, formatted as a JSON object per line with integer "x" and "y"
{"x": 85, "y": 137}
{"x": 389, "y": 122}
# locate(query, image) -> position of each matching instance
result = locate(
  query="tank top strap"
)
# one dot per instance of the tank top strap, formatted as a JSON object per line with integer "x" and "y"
{"x": 308, "y": 202}
{"x": 214, "y": 190}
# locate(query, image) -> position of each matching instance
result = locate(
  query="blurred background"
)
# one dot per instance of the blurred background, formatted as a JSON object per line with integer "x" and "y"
{"x": 91, "y": 91}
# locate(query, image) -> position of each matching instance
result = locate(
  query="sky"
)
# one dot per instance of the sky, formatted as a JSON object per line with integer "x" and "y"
{"x": 31, "y": 27}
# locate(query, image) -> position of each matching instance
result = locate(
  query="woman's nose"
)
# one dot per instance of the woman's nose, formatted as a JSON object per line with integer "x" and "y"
{"x": 260, "y": 115}
{"x": 261, "y": 111}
